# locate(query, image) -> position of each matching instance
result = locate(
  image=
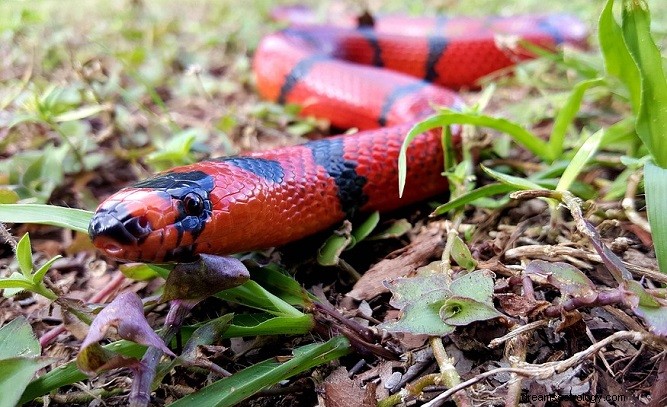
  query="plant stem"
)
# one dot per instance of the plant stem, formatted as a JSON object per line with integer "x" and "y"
{"x": 65, "y": 137}
{"x": 142, "y": 385}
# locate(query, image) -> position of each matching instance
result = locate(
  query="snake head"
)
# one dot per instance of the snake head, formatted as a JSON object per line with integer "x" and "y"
{"x": 154, "y": 220}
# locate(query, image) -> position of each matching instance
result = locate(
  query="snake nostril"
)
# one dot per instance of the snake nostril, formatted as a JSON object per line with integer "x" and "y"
{"x": 138, "y": 226}
{"x": 143, "y": 222}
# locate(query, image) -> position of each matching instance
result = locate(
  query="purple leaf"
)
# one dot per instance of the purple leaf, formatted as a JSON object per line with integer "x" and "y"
{"x": 126, "y": 314}
{"x": 203, "y": 278}
{"x": 568, "y": 279}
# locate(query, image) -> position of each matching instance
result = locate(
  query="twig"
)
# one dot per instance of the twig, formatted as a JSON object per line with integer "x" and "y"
{"x": 555, "y": 251}
{"x": 8, "y": 237}
{"x": 546, "y": 370}
{"x": 515, "y": 352}
{"x": 517, "y": 331}
{"x": 84, "y": 397}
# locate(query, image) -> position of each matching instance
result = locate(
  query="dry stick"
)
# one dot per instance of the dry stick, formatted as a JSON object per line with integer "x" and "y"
{"x": 517, "y": 331}
{"x": 546, "y": 370}
{"x": 515, "y": 352}
{"x": 628, "y": 202}
{"x": 551, "y": 252}
{"x": 600, "y": 354}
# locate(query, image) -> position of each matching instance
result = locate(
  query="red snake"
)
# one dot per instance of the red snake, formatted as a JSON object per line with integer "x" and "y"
{"x": 380, "y": 79}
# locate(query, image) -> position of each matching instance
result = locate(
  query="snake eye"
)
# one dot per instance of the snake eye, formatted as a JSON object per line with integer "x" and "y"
{"x": 193, "y": 204}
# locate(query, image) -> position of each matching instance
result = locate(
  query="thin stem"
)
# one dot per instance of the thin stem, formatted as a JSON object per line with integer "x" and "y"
{"x": 65, "y": 137}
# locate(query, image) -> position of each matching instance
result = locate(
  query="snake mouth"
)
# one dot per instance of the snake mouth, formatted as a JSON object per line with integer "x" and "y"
{"x": 112, "y": 235}
{"x": 109, "y": 247}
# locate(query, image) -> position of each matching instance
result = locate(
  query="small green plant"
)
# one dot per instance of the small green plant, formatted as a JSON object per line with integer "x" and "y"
{"x": 19, "y": 360}
{"x": 28, "y": 279}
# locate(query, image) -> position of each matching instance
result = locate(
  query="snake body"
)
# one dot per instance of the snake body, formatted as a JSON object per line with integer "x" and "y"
{"x": 379, "y": 79}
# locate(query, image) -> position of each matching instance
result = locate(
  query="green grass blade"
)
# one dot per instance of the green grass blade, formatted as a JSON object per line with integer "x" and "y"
{"x": 617, "y": 60}
{"x": 481, "y": 192}
{"x": 75, "y": 219}
{"x": 254, "y": 325}
{"x": 419, "y": 128}
{"x": 655, "y": 185}
{"x": 652, "y": 117}
{"x": 517, "y": 183}
{"x": 255, "y": 296}
{"x": 528, "y": 140}
{"x": 579, "y": 161}
{"x": 69, "y": 373}
{"x": 236, "y": 388}
{"x": 567, "y": 114}
{"x": 620, "y": 132}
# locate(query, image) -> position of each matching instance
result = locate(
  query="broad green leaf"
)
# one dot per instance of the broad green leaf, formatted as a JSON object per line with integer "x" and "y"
{"x": 279, "y": 283}
{"x": 18, "y": 340}
{"x": 15, "y": 375}
{"x": 176, "y": 151}
{"x": 461, "y": 311}
{"x": 236, "y": 388}
{"x": 24, "y": 256}
{"x": 655, "y": 187}
{"x": 139, "y": 271}
{"x": 423, "y": 299}
{"x": 411, "y": 289}
{"x": 477, "y": 285}
{"x": 579, "y": 161}
{"x": 75, "y": 219}
{"x": 422, "y": 316}
{"x": 19, "y": 359}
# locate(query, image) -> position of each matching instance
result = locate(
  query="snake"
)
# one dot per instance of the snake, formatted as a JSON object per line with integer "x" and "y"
{"x": 378, "y": 78}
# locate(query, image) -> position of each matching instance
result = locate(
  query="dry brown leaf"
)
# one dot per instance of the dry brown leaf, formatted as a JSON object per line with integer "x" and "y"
{"x": 518, "y": 305}
{"x": 426, "y": 245}
{"x": 341, "y": 391}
